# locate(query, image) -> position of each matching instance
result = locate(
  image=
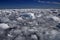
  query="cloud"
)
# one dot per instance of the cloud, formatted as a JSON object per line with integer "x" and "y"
{"x": 49, "y": 2}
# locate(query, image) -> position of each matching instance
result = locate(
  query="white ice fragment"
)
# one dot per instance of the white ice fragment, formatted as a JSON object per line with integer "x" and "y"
{"x": 17, "y": 31}
{"x": 39, "y": 15}
{"x": 4, "y": 26}
{"x": 34, "y": 37}
{"x": 47, "y": 33}
{"x": 54, "y": 33}
{"x": 32, "y": 14}
{"x": 5, "y": 19}
{"x": 56, "y": 18}
{"x": 31, "y": 30}
{"x": 10, "y": 35}
{"x": 28, "y": 15}
{"x": 19, "y": 18}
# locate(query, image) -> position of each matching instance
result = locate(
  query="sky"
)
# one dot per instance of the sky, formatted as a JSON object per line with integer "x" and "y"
{"x": 29, "y": 3}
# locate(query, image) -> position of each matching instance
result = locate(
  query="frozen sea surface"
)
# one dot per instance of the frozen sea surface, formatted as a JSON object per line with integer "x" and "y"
{"x": 29, "y": 24}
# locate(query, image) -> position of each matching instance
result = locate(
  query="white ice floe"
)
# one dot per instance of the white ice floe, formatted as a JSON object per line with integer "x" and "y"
{"x": 56, "y": 18}
{"x": 4, "y": 26}
{"x": 9, "y": 35}
{"x": 19, "y": 18}
{"x": 54, "y": 33}
{"x": 34, "y": 37}
{"x": 32, "y": 14}
{"x": 39, "y": 15}
{"x": 32, "y": 30}
{"x": 28, "y": 15}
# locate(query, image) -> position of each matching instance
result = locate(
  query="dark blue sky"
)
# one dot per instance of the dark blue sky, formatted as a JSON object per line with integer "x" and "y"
{"x": 28, "y": 4}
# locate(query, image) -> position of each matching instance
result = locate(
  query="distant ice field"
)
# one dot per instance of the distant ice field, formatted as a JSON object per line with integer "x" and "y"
{"x": 30, "y": 24}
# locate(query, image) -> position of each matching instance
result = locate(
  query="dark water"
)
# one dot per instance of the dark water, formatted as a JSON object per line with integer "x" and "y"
{"x": 27, "y": 4}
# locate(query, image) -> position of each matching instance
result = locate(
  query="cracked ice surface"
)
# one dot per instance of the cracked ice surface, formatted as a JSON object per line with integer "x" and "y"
{"x": 30, "y": 24}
